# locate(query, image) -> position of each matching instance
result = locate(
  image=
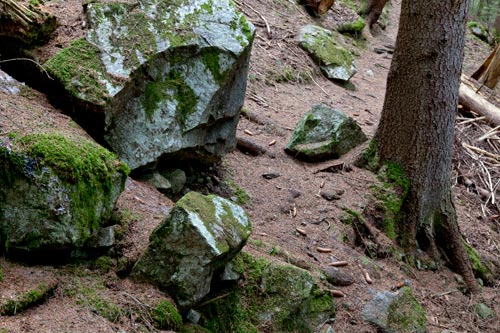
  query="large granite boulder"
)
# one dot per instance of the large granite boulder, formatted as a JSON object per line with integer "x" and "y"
{"x": 335, "y": 61}
{"x": 324, "y": 133}
{"x": 158, "y": 78}
{"x": 200, "y": 236}
{"x": 56, "y": 191}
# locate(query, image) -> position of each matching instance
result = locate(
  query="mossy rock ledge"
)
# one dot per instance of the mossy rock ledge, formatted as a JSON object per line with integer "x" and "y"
{"x": 57, "y": 191}
{"x": 199, "y": 237}
{"x": 159, "y": 78}
{"x": 324, "y": 133}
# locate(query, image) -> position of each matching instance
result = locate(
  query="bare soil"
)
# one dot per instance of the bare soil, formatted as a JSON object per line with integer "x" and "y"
{"x": 283, "y": 84}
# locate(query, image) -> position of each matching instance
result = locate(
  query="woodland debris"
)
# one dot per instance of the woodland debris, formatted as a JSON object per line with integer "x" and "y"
{"x": 337, "y": 293}
{"x": 329, "y": 196}
{"x": 272, "y": 143}
{"x": 271, "y": 175}
{"x": 338, "y": 263}
{"x": 317, "y": 7}
{"x": 253, "y": 117}
{"x": 323, "y": 249}
{"x": 367, "y": 277}
{"x": 334, "y": 168}
{"x": 489, "y": 72}
{"x": 247, "y": 146}
{"x": 301, "y": 231}
{"x": 475, "y": 102}
{"x": 248, "y": 132}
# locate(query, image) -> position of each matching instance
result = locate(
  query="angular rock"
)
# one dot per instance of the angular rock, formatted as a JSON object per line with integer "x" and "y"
{"x": 56, "y": 191}
{"x": 324, "y": 133}
{"x": 176, "y": 178}
{"x": 159, "y": 78}
{"x": 337, "y": 277}
{"x": 395, "y": 312}
{"x": 483, "y": 311}
{"x": 335, "y": 61}
{"x": 279, "y": 297}
{"x": 201, "y": 235}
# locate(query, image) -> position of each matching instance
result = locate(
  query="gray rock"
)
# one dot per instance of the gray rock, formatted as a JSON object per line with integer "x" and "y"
{"x": 176, "y": 178}
{"x": 483, "y": 311}
{"x": 324, "y": 133}
{"x": 193, "y": 316}
{"x": 8, "y": 84}
{"x": 159, "y": 78}
{"x": 337, "y": 277}
{"x": 395, "y": 312}
{"x": 335, "y": 61}
{"x": 282, "y": 297}
{"x": 201, "y": 234}
{"x": 158, "y": 181}
{"x": 105, "y": 237}
{"x": 229, "y": 274}
{"x": 56, "y": 191}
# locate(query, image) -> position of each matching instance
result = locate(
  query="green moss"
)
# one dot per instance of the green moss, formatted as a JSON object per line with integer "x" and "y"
{"x": 89, "y": 167}
{"x": 283, "y": 294}
{"x": 104, "y": 263}
{"x": 211, "y": 59}
{"x": 26, "y": 300}
{"x": 89, "y": 292}
{"x": 479, "y": 269}
{"x": 352, "y": 28}
{"x": 1, "y": 274}
{"x": 242, "y": 197}
{"x": 77, "y": 66}
{"x": 326, "y": 50}
{"x": 406, "y": 314}
{"x": 166, "y": 316}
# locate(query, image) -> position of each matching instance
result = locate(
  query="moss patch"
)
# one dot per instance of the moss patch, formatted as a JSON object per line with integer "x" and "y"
{"x": 283, "y": 298}
{"x": 406, "y": 314}
{"x": 26, "y": 300}
{"x": 166, "y": 316}
{"x": 352, "y": 28}
{"x": 480, "y": 270}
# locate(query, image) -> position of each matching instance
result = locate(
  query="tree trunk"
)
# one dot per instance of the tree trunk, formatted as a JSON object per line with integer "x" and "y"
{"x": 416, "y": 129}
{"x": 373, "y": 10}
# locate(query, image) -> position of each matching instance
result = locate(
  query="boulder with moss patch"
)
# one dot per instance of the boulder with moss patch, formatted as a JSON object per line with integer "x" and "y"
{"x": 335, "y": 61}
{"x": 159, "y": 78}
{"x": 200, "y": 236}
{"x": 273, "y": 297}
{"x": 56, "y": 191}
{"x": 395, "y": 312}
{"x": 324, "y": 133}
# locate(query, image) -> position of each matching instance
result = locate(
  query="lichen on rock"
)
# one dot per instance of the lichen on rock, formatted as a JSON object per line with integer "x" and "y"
{"x": 55, "y": 191}
{"x": 336, "y": 62}
{"x": 201, "y": 234}
{"x": 169, "y": 76}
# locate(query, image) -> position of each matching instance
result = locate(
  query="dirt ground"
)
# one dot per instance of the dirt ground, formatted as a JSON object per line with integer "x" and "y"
{"x": 283, "y": 84}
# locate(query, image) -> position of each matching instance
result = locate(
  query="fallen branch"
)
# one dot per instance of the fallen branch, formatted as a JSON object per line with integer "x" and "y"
{"x": 473, "y": 101}
{"x": 247, "y": 146}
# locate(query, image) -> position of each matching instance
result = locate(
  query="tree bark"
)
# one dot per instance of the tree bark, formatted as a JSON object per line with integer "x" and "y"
{"x": 373, "y": 10}
{"x": 416, "y": 129}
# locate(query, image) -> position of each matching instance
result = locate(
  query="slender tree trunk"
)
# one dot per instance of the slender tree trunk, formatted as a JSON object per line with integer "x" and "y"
{"x": 416, "y": 129}
{"x": 373, "y": 10}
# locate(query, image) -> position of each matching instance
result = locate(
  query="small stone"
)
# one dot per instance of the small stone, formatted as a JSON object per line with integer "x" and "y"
{"x": 330, "y": 196}
{"x": 483, "y": 311}
{"x": 193, "y": 316}
{"x": 370, "y": 73}
{"x": 337, "y": 277}
{"x": 271, "y": 175}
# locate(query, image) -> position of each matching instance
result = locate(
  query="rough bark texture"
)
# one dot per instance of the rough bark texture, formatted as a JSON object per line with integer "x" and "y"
{"x": 373, "y": 11}
{"x": 416, "y": 129}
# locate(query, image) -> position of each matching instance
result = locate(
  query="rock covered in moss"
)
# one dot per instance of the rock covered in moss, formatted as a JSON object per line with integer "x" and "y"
{"x": 200, "y": 235}
{"x": 335, "y": 61}
{"x": 324, "y": 133}
{"x": 353, "y": 27}
{"x": 273, "y": 297}
{"x": 395, "y": 312}
{"x": 56, "y": 191}
{"x": 163, "y": 78}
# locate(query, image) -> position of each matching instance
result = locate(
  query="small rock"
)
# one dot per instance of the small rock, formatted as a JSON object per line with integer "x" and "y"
{"x": 104, "y": 238}
{"x": 176, "y": 178}
{"x": 483, "y": 311}
{"x": 337, "y": 277}
{"x": 271, "y": 175}
{"x": 330, "y": 196}
{"x": 294, "y": 193}
{"x": 193, "y": 316}
{"x": 370, "y": 73}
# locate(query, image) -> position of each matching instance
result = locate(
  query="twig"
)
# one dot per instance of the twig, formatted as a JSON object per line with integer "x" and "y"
{"x": 268, "y": 29}
{"x": 481, "y": 151}
{"x": 28, "y": 59}
{"x": 316, "y": 83}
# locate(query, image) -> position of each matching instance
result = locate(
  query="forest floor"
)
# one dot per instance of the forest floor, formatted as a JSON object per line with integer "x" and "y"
{"x": 283, "y": 84}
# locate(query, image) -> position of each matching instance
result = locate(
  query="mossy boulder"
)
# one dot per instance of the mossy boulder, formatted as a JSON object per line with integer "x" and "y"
{"x": 354, "y": 27}
{"x": 479, "y": 31}
{"x": 324, "y": 133}
{"x": 335, "y": 61}
{"x": 56, "y": 191}
{"x": 158, "y": 78}
{"x": 395, "y": 312}
{"x": 274, "y": 297}
{"x": 200, "y": 236}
